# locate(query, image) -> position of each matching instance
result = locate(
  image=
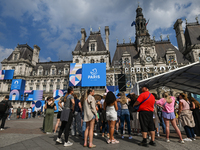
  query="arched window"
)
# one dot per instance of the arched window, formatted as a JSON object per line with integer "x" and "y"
{"x": 102, "y": 60}
{"x": 76, "y": 61}
{"x": 92, "y": 61}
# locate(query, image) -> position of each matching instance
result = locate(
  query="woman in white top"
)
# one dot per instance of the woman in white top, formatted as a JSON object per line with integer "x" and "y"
{"x": 110, "y": 105}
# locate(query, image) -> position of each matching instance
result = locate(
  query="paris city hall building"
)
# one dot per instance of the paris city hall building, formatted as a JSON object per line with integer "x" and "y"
{"x": 139, "y": 60}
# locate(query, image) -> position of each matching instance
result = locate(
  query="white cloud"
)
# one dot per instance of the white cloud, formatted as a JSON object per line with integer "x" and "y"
{"x": 64, "y": 19}
{"x": 23, "y": 31}
{"x": 45, "y": 59}
{"x": 5, "y": 52}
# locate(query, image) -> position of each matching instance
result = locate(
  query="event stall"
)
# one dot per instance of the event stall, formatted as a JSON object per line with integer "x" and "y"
{"x": 185, "y": 78}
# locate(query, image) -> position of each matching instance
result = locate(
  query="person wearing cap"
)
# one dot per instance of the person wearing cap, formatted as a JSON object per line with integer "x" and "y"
{"x": 146, "y": 100}
{"x": 3, "y": 115}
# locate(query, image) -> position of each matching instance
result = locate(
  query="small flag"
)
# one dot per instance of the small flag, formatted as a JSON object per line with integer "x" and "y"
{"x": 133, "y": 23}
{"x": 147, "y": 22}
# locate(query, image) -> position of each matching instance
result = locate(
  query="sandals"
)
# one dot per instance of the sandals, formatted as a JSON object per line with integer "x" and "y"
{"x": 115, "y": 141}
{"x": 93, "y": 146}
{"x": 108, "y": 141}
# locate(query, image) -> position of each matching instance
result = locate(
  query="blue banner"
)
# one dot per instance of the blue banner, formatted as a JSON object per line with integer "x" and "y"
{"x": 34, "y": 95}
{"x": 6, "y": 74}
{"x": 94, "y": 74}
{"x": 17, "y": 89}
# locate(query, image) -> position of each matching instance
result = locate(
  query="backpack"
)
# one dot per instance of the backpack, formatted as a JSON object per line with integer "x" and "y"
{"x": 3, "y": 106}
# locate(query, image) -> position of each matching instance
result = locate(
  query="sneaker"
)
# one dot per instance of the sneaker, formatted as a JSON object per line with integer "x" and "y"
{"x": 130, "y": 137}
{"x": 139, "y": 134}
{"x": 188, "y": 139}
{"x": 68, "y": 143}
{"x": 124, "y": 132}
{"x": 95, "y": 134}
{"x": 149, "y": 137}
{"x": 143, "y": 144}
{"x": 48, "y": 133}
{"x": 195, "y": 135}
{"x": 122, "y": 137}
{"x": 193, "y": 139}
{"x": 167, "y": 140}
{"x": 2, "y": 129}
{"x": 8, "y": 118}
{"x": 59, "y": 140}
{"x": 182, "y": 142}
{"x": 152, "y": 143}
{"x": 158, "y": 134}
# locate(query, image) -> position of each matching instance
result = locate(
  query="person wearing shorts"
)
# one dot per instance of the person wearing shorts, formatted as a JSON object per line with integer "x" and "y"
{"x": 110, "y": 105}
{"x": 146, "y": 115}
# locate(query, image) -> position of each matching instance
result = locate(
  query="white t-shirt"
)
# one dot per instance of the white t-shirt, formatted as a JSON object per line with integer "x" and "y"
{"x": 29, "y": 110}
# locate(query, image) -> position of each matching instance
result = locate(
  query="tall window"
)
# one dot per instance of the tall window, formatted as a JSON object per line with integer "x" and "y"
{"x": 66, "y": 71}
{"x": 51, "y": 88}
{"x": 65, "y": 86}
{"x": 31, "y": 81}
{"x": 102, "y": 60}
{"x": 139, "y": 76}
{"x": 15, "y": 56}
{"x": 37, "y": 87}
{"x": 53, "y": 72}
{"x": 58, "y": 87}
{"x": 65, "y": 80}
{"x": 40, "y": 72}
{"x": 45, "y": 80}
{"x": 9, "y": 86}
{"x": 92, "y": 61}
{"x": 13, "y": 68}
{"x": 92, "y": 47}
{"x": 31, "y": 88}
{"x": 44, "y": 88}
{"x": 51, "y": 80}
{"x": 33, "y": 73}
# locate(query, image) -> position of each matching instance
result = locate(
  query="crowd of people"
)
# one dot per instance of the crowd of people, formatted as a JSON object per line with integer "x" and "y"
{"x": 113, "y": 114}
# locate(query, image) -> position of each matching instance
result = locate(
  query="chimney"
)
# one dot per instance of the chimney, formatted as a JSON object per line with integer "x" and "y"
{"x": 180, "y": 35}
{"x": 107, "y": 33}
{"x": 36, "y": 51}
{"x": 83, "y": 36}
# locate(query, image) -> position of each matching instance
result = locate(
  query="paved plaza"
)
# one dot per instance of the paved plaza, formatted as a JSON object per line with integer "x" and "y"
{"x": 27, "y": 135}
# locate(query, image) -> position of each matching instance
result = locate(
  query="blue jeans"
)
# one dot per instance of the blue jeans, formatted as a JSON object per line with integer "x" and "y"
{"x": 104, "y": 126}
{"x": 189, "y": 132}
{"x": 125, "y": 115}
{"x": 10, "y": 115}
{"x": 29, "y": 115}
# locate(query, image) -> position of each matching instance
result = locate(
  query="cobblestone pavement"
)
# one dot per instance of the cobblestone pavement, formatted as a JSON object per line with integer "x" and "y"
{"x": 27, "y": 134}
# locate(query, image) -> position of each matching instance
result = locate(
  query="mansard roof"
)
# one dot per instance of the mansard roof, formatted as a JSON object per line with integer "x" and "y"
{"x": 48, "y": 65}
{"x": 93, "y": 36}
{"x": 192, "y": 33}
{"x": 160, "y": 46}
{"x": 125, "y": 47}
{"x": 26, "y": 52}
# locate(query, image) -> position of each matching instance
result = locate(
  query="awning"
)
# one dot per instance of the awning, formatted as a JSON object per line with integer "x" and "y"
{"x": 186, "y": 78}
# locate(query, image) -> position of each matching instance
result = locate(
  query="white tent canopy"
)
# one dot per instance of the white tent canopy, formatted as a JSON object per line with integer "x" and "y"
{"x": 185, "y": 78}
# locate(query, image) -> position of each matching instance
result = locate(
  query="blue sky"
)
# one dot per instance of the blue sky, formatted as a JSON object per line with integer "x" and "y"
{"x": 55, "y": 25}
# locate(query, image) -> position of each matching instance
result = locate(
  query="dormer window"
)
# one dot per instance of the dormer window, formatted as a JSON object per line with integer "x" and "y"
{"x": 92, "y": 48}
{"x": 92, "y": 45}
{"x": 15, "y": 56}
{"x": 40, "y": 72}
{"x": 172, "y": 59}
{"x": 46, "y": 72}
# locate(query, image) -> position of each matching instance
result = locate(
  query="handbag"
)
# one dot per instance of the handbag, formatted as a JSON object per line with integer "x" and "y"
{"x": 138, "y": 106}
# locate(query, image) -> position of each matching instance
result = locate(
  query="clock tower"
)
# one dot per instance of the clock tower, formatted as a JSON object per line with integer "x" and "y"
{"x": 145, "y": 45}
